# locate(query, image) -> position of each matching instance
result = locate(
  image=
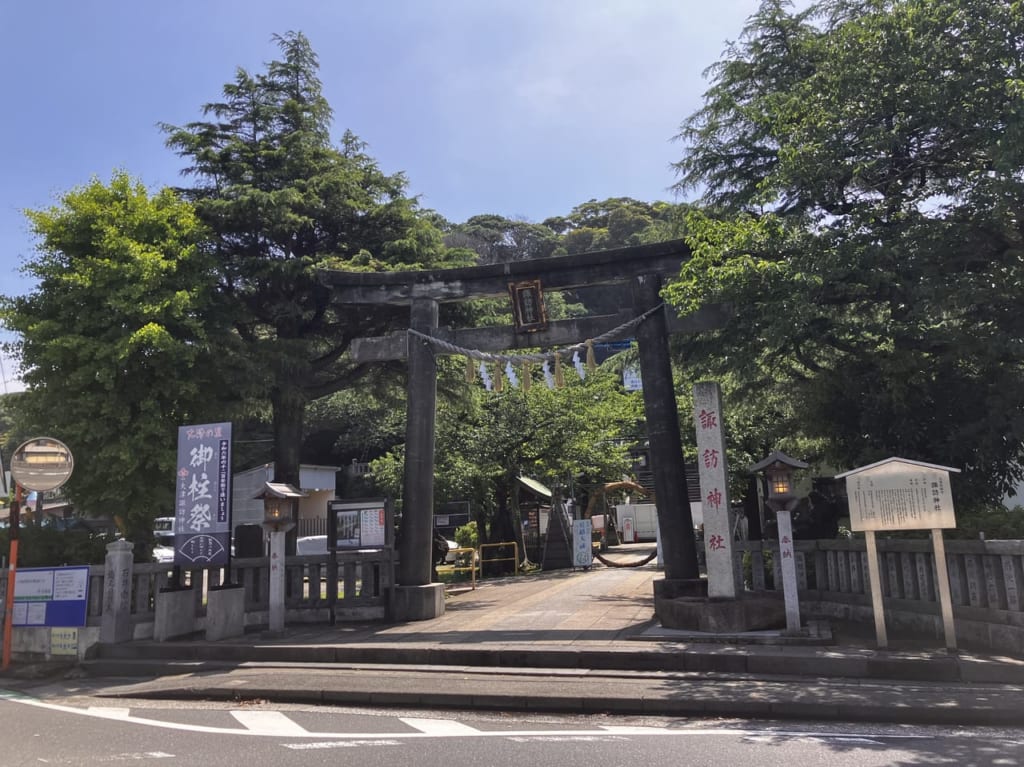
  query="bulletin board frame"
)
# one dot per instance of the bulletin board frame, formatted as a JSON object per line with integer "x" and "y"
{"x": 362, "y": 523}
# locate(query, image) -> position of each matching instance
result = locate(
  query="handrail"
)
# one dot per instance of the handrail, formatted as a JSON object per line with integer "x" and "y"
{"x": 472, "y": 563}
{"x": 515, "y": 555}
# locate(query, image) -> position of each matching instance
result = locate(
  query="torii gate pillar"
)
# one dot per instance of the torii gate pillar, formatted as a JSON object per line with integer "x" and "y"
{"x": 682, "y": 577}
{"x": 415, "y": 597}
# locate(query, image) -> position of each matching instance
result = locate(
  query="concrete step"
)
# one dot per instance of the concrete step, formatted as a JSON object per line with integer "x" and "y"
{"x": 622, "y": 656}
{"x": 581, "y": 691}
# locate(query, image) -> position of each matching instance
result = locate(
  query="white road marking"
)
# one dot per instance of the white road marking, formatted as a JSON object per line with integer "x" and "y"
{"x": 273, "y": 722}
{"x": 576, "y": 738}
{"x": 129, "y": 757}
{"x": 135, "y": 757}
{"x": 855, "y": 740}
{"x": 433, "y": 728}
{"x": 340, "y": 744}
{"x": 440, "y": 727}
{"x": 119, "y": 712}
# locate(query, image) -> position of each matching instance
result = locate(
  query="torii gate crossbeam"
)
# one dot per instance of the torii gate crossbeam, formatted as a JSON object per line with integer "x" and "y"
{"x": 423, "y": 291}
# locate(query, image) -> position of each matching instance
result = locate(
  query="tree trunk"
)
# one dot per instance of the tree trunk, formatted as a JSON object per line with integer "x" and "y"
{"x": 503, "y": 525}
{"x": 289, "y": 406}
{"x": 289, "y": 409}
{"x": 752, "y": 510}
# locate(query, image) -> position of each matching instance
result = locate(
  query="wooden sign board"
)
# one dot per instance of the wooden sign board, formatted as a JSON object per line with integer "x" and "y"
{"x": 898, "y": 494}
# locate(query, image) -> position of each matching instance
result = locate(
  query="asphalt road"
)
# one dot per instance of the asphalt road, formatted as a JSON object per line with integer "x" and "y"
{"x": 68, "y": 726}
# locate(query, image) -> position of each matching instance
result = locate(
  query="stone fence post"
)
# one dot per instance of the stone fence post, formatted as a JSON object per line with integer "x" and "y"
{"x": 116, "y": 625}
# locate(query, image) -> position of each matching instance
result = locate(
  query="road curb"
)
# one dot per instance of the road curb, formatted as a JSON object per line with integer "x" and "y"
{"x": 651, "y": 705}
{"x": 834, "y": 664}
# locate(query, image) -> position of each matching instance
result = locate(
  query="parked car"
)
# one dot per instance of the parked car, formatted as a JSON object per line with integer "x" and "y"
{"x": 311, "y": 544}
{"x": 163, "y": 534}
{"x": 449, "y": 558}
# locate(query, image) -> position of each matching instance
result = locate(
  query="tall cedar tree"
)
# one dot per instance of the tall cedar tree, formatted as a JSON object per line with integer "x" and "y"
{"x": 862, "y": 164}
{"x": 282, "y": 202}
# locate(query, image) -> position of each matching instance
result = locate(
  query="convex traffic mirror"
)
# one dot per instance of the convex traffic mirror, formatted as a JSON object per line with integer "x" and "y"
{"x": 42, "y": 464}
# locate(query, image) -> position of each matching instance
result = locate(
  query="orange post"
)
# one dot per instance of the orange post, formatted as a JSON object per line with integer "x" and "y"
{"x": 15, "y": 522}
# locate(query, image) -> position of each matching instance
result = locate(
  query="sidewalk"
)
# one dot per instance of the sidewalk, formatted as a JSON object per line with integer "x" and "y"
{"x": 578, "y": 642}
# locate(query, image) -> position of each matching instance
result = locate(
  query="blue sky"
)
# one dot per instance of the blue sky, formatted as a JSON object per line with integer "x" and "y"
{"x": 524, "y": 108}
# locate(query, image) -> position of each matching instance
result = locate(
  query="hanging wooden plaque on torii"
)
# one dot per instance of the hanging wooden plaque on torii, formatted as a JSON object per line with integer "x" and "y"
{"x": 641, "y": 268}
{"x": 528, "y": 311}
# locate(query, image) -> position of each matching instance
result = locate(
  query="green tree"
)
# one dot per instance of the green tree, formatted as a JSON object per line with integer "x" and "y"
{"x": 617, "y": 222}
{"x": 468, "y": 536}
{"x": 559, "y": 436}
{"x": 499, "y": 240}
{"x": 116, "y": 343}
{"x": 281, "y": 203}
{"x": 9, "y": 437}
{"x": 355, "y": 425}
{"x": 862, "y": 165}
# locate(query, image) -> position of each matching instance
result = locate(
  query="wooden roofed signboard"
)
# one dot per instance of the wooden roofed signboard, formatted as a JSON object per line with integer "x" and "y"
{"x": 899, "y": 494}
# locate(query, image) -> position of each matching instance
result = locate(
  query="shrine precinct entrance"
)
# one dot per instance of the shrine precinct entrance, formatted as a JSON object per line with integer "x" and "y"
{"x": 638, "y": 269}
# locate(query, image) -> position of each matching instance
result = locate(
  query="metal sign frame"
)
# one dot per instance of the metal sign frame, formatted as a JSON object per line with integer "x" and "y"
{"x": 360, "y": 523}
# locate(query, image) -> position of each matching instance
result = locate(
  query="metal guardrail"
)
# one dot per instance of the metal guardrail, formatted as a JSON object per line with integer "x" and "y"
{"x": 514, "y": 558}
{"x": 474, "y": 563}
{"x": 477, "y": 559}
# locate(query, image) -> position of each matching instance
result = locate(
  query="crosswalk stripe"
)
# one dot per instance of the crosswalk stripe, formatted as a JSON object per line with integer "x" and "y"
{"x": 273, "y": 722}
{"x": 112, "y": 711}
{"x": 440, "y": 726}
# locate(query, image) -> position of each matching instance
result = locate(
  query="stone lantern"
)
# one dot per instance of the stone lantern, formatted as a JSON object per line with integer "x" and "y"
{"x": 778, "y": 469}
{"x": 280, "y": 504}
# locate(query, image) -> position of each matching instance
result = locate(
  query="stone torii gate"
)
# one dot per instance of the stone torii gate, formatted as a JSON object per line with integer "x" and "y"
{"x": 641, "y": 268}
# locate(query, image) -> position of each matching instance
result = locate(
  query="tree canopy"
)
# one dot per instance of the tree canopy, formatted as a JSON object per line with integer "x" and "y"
{"x": 498, "y": 240}
{"x": 862, "y": 169}
{"x": 116, "y": 342}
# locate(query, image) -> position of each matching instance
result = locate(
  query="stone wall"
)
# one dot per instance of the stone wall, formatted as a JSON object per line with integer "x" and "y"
{"x": 129, "y": 600}
{"x": 986, "y": 580}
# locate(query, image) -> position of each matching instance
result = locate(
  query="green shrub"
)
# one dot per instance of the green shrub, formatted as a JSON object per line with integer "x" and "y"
{"x": 50, "y": 547}
{"x": 467, "y": 536}
{"x": 996, "y": 523}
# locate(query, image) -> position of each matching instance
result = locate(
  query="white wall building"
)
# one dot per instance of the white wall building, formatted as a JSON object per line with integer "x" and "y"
{"x": 319, "y": 482}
